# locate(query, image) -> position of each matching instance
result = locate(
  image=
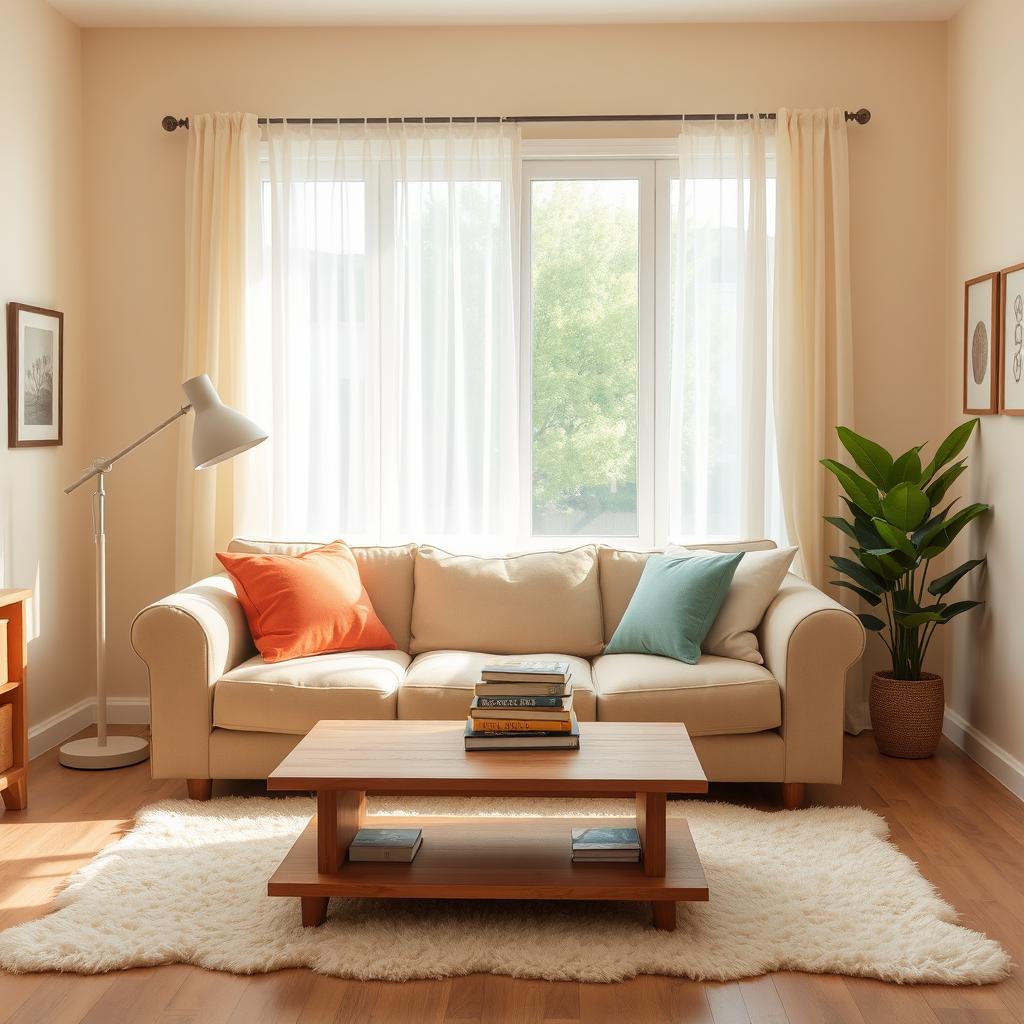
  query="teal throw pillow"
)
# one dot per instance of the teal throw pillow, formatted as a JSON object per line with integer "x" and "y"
{"x": 674, "y": 605}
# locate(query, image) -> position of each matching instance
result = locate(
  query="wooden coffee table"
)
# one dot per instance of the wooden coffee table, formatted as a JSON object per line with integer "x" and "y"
{"x": 489, "y": 858}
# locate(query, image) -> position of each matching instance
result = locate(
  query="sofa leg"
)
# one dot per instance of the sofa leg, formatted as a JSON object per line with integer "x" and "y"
{"x": 199, "y": 789}
{"x": 792, "y": 795}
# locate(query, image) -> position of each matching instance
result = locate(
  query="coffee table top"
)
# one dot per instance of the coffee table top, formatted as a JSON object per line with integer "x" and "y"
{"x": 412, "y": 757}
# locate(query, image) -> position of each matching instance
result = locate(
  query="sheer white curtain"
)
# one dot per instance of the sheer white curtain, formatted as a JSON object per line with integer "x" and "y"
{"x": 383, "y": 346}
{"x": 221, "y": 199}
{"x": 814, "y": 359}
{"x": 723, "y": 478}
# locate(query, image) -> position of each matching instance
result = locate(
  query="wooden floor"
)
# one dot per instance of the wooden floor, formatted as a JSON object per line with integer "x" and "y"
{"x": 964, "y": 830}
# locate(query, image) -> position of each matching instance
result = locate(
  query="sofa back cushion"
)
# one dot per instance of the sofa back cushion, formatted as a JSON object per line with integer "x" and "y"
{"x": 621, "y": 571}
{"x": 519, "y": 604}
{"x": 386, "y": 574}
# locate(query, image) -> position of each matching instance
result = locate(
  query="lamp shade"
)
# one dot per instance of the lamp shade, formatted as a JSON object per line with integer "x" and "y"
{"x": 219, "y": 432}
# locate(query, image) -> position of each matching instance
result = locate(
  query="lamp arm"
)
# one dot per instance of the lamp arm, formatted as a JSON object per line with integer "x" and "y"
{"x": 104, "y": 465}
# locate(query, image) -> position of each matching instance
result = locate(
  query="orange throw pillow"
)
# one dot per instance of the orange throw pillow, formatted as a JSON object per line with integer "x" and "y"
{"x": 305, "y": 604}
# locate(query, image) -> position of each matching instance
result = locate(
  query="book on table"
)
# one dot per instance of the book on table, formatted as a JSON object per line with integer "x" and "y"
{"x": 523, "y": 739}
{"x": 605, "y": 844}
{"x": 559, "y": 710}
{"x": 514, "y": 688}
{"x": 526, "y": 672}
{"x": 383, "y": 844}
{"x": 535, "y": 703}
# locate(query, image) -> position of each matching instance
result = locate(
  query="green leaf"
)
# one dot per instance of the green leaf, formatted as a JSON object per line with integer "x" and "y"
{"x": 938, "y": 487}
{"x": 958, "y": 608}
{"x": 895, "y": 538}
{"x": 944, "y": 584}
{"x": 942, "y": 535}
{"x": 872, "y": 458}
{"x": 841, "y": 524}
{"x": 872, "y": 599}
{"x": 917, "y": 535}
{"x": 880, "y": 563}
{"x": 863, "y": 492}
{"x": 906, "y": 507}
{"x": 950, "y": 448}
{"x": 907, "y": 468}
{"x": 862, "y": 575}
{"x": 872, "y": 622}
{"x": 913, "y": 619}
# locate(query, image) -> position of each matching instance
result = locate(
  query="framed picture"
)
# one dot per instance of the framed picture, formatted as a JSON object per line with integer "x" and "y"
{"x": 1011, "y": 318}
{"x": 981, "y": 344}
{"x": 35, "y": 376}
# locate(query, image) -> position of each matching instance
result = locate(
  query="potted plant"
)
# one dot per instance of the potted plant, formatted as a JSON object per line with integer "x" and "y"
{"x": 896, "y": 532}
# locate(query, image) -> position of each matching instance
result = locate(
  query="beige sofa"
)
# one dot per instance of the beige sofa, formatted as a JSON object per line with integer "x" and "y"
{"x": 219, "y": 711}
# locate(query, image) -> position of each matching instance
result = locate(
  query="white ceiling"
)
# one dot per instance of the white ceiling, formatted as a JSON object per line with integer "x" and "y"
{"x": 209, "y": 13}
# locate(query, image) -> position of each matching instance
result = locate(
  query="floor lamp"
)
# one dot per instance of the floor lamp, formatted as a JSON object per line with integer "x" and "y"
{"x": 219, "y": 433}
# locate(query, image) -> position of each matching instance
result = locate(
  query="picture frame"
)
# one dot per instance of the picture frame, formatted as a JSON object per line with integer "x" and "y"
{"x": 35, "y": 376}
{"x": 1011, "y": 320}
{"x": 982, "y": 361}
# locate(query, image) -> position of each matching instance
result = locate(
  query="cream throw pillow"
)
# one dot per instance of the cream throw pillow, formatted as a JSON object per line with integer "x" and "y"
{"x": 756, "y": 582}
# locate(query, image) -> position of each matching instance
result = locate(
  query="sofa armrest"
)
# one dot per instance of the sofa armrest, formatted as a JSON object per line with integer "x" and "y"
{"x": 808, "y": 642}
{"x": 188, "y": 641}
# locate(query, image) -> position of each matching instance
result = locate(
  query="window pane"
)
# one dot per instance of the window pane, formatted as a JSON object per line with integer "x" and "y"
{"x": 585, "y": 249}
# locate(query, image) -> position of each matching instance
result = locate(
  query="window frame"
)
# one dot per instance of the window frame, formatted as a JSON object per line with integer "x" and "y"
{"x": 652, "y": 163}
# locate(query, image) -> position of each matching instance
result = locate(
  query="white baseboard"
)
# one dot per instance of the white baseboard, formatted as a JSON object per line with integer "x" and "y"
{"x": 999, "y": 763}
{"x": 62, "y": 726}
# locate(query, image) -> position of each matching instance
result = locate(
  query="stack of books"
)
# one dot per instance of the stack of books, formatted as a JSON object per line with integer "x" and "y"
{"x": 395, "y": 844}
{"x": 522, "y": 705}
{"x": 605, "y": 844}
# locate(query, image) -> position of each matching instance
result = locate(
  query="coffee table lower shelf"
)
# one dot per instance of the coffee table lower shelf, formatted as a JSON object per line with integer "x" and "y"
{"x": 498, "y": 859}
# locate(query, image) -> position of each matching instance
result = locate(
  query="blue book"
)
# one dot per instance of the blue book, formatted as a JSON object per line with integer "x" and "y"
{"x": 378, "y": 844}
{"x": 518, "y": 702}
{"x": 622, "y": 839}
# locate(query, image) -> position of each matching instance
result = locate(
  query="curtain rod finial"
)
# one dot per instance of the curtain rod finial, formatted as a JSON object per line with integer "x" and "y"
{"x": 861, "y": 116}
{"x": 170, "y": 123}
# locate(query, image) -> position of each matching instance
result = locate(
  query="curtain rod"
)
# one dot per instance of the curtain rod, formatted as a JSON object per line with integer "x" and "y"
{"x": 170, "y": 122}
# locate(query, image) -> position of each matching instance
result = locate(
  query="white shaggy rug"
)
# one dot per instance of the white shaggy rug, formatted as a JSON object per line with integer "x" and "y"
{"x": 816, "y": 890}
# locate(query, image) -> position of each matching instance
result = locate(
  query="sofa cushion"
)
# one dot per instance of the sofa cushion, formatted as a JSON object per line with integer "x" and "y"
{"x": 386, "y": 574}
{"x": 754, "y": 586}
{"x": 306, "y": 604}
{"x": 674, "y": 605}
{"x": 716, "y": 696}
{"x": 439, "y": 684}
{"x": 292, "y": 696}
{"x": 621, "y": 569}
{"x": 520, "y": 604}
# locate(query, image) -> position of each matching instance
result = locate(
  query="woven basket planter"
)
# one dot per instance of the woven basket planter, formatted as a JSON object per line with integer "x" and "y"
{"x": 906, "y": 714}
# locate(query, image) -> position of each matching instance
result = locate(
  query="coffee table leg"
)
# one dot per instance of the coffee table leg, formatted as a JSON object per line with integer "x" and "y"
{"x": 314, "y": 910}
{"x": 664, "y": 915}
{"x": 651, "y": 826}
{"x": 339, "y": 815}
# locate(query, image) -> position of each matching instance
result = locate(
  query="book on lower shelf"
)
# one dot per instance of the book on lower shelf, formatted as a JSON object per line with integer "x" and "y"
{"x": 382, "y": 844}
{"x": 522, "y": 739}
{"x": 606, "y": 844}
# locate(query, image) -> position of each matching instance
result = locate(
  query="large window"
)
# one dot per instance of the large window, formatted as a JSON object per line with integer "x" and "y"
{"x": 629, "y": 400}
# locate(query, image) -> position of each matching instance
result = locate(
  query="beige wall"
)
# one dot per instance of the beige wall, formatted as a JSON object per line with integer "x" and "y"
{"x": 984, "y": 666}
{"x": 45, "y": 538}
{"x": 134, "y": 174}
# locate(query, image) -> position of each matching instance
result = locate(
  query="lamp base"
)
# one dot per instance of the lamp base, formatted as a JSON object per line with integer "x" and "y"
{"x": 119, "y": 752}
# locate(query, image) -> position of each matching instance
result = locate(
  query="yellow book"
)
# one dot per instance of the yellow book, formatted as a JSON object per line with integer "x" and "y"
{"x": 518, "y": 725}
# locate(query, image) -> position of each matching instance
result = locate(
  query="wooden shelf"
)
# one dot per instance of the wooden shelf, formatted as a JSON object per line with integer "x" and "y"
{"x": 13, "y": 695}
{"x": 495, "y": 858}
{"x": 9, "y": 687}
{"x": 12, "y": 775}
